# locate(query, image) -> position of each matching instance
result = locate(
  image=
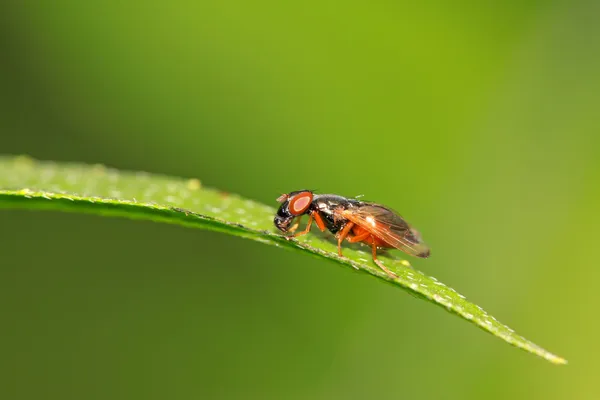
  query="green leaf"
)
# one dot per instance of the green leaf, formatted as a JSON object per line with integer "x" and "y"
{"x": 95, "y": 189}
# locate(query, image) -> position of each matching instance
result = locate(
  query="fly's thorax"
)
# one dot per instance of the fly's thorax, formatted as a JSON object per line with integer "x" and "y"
{"x": 327, "y": 204}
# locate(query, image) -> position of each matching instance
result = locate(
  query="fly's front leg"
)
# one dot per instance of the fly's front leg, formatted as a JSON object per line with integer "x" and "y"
{"x": 295, "y": 225}
{"x": 318, "y": 220}
{"x": 307, "y": 229}
{"x": 313, "y": 216}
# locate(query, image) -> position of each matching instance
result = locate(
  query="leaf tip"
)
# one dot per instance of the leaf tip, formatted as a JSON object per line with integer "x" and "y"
{"x": 557, "y": 360}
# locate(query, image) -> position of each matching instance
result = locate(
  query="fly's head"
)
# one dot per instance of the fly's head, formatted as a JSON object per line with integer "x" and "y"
{"x": 293, "y": 205}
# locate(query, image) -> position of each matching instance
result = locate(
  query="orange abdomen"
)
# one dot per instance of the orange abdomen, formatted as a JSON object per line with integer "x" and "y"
{"x": 358, "y": 230}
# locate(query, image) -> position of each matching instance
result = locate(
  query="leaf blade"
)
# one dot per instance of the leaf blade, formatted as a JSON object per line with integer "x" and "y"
{"x": 29, "y": 184}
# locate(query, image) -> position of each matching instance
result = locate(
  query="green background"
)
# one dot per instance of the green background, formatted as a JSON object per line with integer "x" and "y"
{"x": 478, "y": 122}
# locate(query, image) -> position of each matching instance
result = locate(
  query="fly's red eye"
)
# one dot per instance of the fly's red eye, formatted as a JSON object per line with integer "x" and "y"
{"x": 300, "y": 203}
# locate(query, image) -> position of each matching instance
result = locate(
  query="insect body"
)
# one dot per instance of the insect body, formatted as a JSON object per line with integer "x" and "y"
{"x": 350, "y": 219}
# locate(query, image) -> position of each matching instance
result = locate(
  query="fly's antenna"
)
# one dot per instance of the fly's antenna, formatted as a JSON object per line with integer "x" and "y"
{"x": 282, "y": 198}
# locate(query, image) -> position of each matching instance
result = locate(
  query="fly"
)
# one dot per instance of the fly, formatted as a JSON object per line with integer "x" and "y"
{"x": 356, "y": 221}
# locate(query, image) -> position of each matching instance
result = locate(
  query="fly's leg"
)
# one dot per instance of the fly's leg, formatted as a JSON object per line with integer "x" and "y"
{"x": 307, "y": 229}
{"x": 359, "y": 238}
{"x": 318, "y": 220}
{"x": 295, "y": 225}
{"x": 313, "y": 216}
{"x": 379, "y": 263}
{"x": 342, "y": 235}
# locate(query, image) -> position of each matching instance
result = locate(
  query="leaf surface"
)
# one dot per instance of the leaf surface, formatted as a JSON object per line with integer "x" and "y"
{"x": 95, "y": 189}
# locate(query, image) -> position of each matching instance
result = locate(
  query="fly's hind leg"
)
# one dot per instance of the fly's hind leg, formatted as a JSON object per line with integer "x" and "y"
{"x": 379, "y": 263}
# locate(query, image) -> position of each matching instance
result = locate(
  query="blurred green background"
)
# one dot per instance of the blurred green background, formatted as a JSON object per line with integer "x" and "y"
{"x": 478, "y": 122}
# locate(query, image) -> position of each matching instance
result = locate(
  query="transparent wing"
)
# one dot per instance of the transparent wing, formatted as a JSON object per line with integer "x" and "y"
{"x": 388, "y": 226}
